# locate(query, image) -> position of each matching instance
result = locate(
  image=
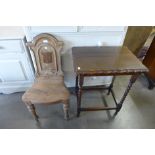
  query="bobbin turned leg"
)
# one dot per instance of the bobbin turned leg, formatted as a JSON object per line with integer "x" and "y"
{"x": 66, "y": 110}
{"x": 131, "y": 82}
{"x": 31, "y": 109}
{"x": 79, "y": 95}
{"x": 76, "y": 84}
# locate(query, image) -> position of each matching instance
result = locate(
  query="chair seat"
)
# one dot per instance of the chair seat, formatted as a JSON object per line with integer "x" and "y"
{"x": 47, "y": 90}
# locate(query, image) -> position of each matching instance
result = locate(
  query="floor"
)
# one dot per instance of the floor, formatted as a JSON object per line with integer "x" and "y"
{"x": 138, "y": 110}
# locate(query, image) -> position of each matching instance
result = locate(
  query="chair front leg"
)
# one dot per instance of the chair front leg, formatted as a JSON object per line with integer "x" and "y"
{"x": 31, "y": 109}
{"x": 66, "y": 110}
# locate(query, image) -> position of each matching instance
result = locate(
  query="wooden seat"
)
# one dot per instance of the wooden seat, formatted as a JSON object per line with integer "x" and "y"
{"x": 49, "y": 87}
{"x": 47, "y": 91}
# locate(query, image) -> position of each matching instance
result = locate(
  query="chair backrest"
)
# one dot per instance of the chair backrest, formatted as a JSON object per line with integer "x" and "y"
{"x": 46, "y": 49}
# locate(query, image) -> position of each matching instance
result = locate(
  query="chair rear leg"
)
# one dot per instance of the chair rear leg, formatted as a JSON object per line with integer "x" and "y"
{"x": 31, "y": 109}
{"x": 66, "y": 110}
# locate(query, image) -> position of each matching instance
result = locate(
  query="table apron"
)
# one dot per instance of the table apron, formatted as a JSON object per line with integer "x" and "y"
{"x": 108, "y": 74}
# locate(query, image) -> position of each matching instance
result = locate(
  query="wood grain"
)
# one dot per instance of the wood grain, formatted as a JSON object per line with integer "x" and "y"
{"x": 49, "y": 87}
{"x": 106, "y": 61}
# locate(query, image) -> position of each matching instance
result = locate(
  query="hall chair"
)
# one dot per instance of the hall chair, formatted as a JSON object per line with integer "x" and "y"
{"x": 48, "y": 87}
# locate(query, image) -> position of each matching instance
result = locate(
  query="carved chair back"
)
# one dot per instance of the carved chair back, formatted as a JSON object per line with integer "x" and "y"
{"x": 46, "y": 49}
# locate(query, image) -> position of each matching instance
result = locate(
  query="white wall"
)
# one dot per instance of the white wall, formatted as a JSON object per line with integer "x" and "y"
{"x": 80, "y": 36}
{"x": 11, "y": 32}
{"x": 71, "y": 36}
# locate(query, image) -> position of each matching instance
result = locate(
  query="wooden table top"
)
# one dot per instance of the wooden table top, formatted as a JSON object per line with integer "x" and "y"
{"x": 106, "y": 60}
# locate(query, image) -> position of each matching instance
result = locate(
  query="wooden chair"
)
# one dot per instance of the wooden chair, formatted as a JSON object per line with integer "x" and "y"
{"x": 136, "y": 37}
{"x": 48, "y": 87}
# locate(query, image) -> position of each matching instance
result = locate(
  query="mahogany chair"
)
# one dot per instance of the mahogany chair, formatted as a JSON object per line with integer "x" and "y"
{"x": 49, "y": 87}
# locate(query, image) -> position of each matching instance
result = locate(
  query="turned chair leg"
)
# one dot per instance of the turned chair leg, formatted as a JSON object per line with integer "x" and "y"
{"x": 31, "y": 109}
{"x": 66, "y": 110}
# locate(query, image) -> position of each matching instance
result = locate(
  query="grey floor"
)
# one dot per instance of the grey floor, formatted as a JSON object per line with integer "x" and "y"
{"x": 138, "y": 110}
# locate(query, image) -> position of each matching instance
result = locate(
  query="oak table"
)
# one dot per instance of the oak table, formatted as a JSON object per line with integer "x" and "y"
{"x": 104, "y": 61}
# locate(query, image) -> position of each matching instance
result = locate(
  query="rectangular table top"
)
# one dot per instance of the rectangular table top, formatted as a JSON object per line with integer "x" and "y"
{"x": 106, "y": 60}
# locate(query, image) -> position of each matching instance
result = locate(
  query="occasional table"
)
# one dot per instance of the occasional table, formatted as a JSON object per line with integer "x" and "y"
{"x": 104, "y": 61}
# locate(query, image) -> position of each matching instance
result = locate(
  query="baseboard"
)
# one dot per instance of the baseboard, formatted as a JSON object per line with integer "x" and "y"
{"x": 9, "y": 89}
